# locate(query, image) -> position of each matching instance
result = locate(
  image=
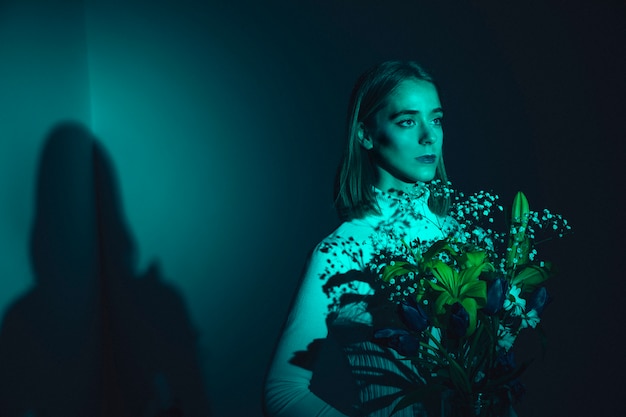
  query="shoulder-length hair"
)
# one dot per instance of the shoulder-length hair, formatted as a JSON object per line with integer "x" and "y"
{"x": 354, "y": 193}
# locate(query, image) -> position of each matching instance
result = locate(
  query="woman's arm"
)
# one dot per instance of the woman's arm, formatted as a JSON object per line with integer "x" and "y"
{"x": 287, "y": 388}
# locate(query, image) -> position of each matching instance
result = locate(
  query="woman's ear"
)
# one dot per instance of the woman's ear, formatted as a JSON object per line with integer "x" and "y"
{"x": 364, "y": 136}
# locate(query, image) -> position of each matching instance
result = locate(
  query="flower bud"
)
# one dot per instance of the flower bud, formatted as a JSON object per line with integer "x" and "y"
{"x": 520, "y": 210}
{"x": 459, "y": 320}
{"x": 538, "y": 300}
{"x": 519, "y": 243}
{"x": 496, "y": 294}
{"x": 413, "y": 316}
{"x": 399, "y": 340}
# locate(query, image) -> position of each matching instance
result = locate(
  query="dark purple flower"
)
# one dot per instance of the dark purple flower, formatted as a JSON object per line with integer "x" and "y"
{"x": 400, "y": 340}
{"x": 496, "y": 294}
{"x": 388, "y": 333}
{"x": 538, "y": 300}
{"x": 505, "y": 364}
{"x": 459, "y": 320}
{"x": 406, "y": 345}
{"x": 413, "y": 316}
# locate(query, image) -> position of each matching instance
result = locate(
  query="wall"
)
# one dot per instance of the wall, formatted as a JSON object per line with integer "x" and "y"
{"x": 223, "y": 123}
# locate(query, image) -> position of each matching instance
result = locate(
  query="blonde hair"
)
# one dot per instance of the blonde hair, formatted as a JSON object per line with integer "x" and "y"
{"x": 354, "y": 194}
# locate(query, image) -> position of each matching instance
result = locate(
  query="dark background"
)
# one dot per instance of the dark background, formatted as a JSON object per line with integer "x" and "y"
{"x": 224, "y": 124}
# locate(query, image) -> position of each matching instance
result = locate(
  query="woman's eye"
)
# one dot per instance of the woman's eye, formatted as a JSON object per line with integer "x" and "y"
{"x": 407, "y": 123}
{"x": 438, "y": 121}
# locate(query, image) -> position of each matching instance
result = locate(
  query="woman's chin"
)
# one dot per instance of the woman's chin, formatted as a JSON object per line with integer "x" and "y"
{"x": 423, "y": 177}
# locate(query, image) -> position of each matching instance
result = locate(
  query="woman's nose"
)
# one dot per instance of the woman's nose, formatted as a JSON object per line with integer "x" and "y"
{"x": 426, "y": 134}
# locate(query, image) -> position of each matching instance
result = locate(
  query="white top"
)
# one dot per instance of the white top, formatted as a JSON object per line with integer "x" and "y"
{"x": 325, "y": 363}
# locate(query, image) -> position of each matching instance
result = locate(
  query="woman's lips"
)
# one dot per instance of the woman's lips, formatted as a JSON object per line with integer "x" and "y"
{"x": 426, "y": 159}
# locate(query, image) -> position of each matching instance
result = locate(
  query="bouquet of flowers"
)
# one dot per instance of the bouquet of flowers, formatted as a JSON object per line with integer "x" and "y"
{"x": 465, "y": 299}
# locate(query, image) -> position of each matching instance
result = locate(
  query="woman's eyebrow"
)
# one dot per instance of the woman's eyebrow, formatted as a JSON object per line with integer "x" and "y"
{"x": 405, "y": 112}
{"x": 402, "y": 113}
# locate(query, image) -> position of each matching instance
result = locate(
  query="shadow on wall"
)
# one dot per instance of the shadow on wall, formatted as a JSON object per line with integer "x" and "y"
{"x": 93, "y": 337}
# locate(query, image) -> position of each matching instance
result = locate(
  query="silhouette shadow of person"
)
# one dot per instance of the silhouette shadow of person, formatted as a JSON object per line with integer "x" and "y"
{"x": 93, "y": 337}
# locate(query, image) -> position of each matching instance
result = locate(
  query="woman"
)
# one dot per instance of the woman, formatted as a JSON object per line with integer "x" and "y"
{"x": 326, "y": 362}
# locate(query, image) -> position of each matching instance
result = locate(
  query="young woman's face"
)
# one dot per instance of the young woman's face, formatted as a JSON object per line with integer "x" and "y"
{"x": 406, "y": 136}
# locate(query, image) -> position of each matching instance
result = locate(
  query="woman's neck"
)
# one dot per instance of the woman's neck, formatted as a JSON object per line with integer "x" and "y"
{"x": 412, "y": 189}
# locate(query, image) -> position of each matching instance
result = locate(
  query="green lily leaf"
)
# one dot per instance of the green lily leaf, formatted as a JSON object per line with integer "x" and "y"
{"x": 399, "y": 268}
{"x": 480, "y": 347}
{"x": 446, "y": 276}
{"x": 457, "y": 373}
{"x": 436, "y": 248}
{"x": 477, "y": 290}
{"x": 442, "y": 301}
{"x": 429, "y": 258}
{"x": 474, "y": 258}
{"x": 531, "y": 276}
